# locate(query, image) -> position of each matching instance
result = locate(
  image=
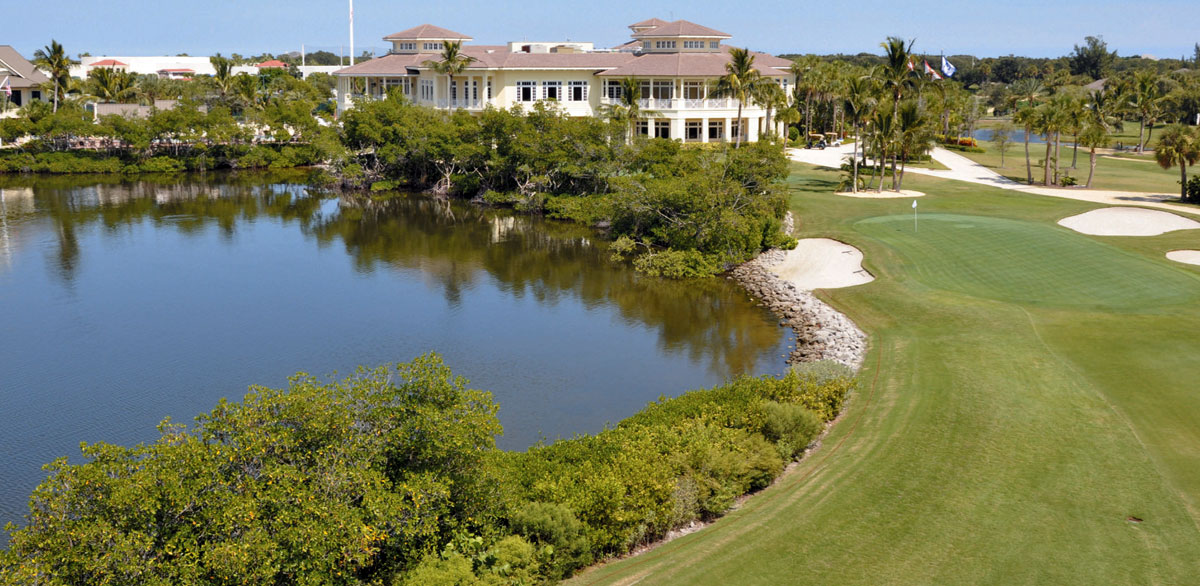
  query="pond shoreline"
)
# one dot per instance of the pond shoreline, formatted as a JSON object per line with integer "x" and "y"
{"x": 820, "y": 331}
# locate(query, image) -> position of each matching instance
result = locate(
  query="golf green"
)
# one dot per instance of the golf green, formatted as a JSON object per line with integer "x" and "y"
{"x": 1027, "y": 262}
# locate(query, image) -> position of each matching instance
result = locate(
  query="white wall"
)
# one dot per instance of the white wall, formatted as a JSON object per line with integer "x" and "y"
{"x": 147, "y": 65}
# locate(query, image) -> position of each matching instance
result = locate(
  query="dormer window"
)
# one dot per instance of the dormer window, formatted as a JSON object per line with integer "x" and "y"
{"x": 714, "y": 44}
{"x": 693, "y": 44}
{"x": 406, "y": 46}
{"x": 433, "y": 46}
{"x": 664, "y": 44}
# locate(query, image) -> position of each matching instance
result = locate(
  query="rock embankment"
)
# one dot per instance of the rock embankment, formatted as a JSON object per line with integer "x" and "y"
{"x": 822, "y": 332}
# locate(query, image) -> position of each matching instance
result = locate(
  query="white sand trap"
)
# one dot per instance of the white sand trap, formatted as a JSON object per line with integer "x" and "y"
{"x": 1127, "y": 222}
{"x": 821, "y": 263}
{"x": 1191, "y": 257}
{"x": 885, "y": 194}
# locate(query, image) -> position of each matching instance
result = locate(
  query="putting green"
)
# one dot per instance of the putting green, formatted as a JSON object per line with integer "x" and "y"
{"x": 1028, "y": 263}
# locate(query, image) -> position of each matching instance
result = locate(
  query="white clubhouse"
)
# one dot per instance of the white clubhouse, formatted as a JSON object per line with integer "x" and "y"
{"x": 675, "y": 64}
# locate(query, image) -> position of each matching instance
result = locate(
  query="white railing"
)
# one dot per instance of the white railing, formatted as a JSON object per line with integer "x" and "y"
{"x": 677, "y": 103}
{"x": 462, "y": 104}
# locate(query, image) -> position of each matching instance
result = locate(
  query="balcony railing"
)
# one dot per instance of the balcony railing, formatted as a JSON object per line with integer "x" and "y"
{"x": 463, "y": 104}
{"x": 677, "y": 103}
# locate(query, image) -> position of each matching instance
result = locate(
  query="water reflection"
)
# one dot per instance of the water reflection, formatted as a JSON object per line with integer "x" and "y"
{"x": 451, "y": 245}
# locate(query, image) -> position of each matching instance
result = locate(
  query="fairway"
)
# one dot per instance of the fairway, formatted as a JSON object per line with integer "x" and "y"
{"x": 1030, "y": 412}
{"x": 1027, "y": 262}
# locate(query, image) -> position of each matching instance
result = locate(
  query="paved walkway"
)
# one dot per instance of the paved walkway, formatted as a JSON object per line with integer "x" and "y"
{"x": 964, "y": 169}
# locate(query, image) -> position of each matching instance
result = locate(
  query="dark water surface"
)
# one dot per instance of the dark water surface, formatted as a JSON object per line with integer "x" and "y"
{"x": 123, "y": 302}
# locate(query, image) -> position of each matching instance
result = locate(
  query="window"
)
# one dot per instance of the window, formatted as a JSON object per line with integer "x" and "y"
{"x": 693, "y": 129}
{"x": 714, "y": 44}
{"x": 489, "y": 89}
{"x": 664, "y": 44}
{"x": 716, "y": 129}
{"x": 526, "y": 91}
{"x": 735, "y": 128}
{"x": 693, "y": 90}
{"x": 35, "y": 94}
{"x": 406, "y": 46}
{"x": 642, "y": 127}
{"x": 662, "y": 129}
{"x": 663, "y": 90}
{"x": 426, "y": 88}
{"x": 403, "y": 83}
{"x": 693, "y": 44}
{"x": 612, "y": 89}
{"x": 644, "y": 89}
{"x": 552, "y": 90}
{"x": 577, "y": 91}
{"x": 454, "y": 90}
{"x": 433, "y": 46}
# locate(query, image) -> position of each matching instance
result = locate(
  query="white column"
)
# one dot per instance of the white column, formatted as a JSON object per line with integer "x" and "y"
{"x": 728, "y": 130}
{"x": 677, "y": 129}
{"x": 752, "y": 134}
{"x": 704, "y": 129}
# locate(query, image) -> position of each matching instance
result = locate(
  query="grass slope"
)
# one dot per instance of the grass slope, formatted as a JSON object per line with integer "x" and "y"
{"x": 1027, "y": 391}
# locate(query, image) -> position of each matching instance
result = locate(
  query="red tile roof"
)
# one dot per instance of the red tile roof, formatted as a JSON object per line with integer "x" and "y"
{"x": 681, "y": 28}
{"x": 647, "y": 23}
{"x": 272, "y": 63}
{"x": 427, "y": 32}
{"x": 694, "y": 64}
{"x": 109, "y": 63}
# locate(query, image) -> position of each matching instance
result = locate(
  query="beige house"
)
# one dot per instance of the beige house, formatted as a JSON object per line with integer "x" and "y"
{"x": 21, "y": 75}
{"x": 675, "y": 64}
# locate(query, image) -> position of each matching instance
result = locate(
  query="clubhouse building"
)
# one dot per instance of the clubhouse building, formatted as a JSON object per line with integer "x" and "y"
{"x": 675, "y": 64}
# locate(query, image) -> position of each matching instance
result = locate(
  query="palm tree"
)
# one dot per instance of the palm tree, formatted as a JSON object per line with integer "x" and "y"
{"x": 1179, "y": 145}
{"x": 1027, "y": 117}
{"x": 110, "y": 85}
{"x": 912, "y": 136}
{"x": 54, "y": 60}
{"x": 628, "y": 110}
{"x": 1145, "y": 96}
{"x": 453, "y": 63}
{"x": 739, "y": 82}
{"x": 857, "y": 104}
{"x": 804, "y": 71}
{"x": 223, "y": 76}
{"x": 895, "y": 73}
{"x": 771, "y": 96}
{"x": 788, "y": 116}
{"x": 1093, "y": 136}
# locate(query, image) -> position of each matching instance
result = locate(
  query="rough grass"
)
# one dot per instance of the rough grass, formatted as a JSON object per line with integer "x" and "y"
{"x": 1138, "y": 173}
{"x": 1009, "y": 426}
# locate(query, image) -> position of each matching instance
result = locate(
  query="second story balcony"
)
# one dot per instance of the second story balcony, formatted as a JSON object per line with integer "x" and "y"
{"x": 678, "y": 103}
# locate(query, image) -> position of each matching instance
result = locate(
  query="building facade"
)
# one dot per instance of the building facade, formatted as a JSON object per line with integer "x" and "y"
{"x": 25, "y": 81}
{"x": 674, "y": 63}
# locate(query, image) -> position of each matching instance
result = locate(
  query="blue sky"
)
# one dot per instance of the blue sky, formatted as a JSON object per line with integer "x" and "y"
{"x": 202, "y": 27}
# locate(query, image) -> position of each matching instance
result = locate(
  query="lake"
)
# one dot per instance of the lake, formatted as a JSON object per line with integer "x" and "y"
{"x": 127, "y": 301}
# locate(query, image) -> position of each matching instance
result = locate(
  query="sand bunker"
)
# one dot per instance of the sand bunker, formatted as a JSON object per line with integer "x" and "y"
{"x": 1127, "y": 222}
{"x": 821, "y": 263}
{"x": 1191, "y": 257}
{"x": 885, "y": 194}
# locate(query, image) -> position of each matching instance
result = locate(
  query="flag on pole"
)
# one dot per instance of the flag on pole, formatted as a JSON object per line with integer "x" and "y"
{"x": 948, "y": 68}
{"x": 931, "y": 71}
{"x": 6, "y": 86}
{"x": 914, "y": 204}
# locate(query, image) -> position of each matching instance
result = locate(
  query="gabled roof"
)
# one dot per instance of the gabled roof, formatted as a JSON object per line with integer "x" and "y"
{"x": 394, "y": 64}
{"x": 681, "y": 28}
{"x": 21, "y": 73}
{"x": 272, "y": 63}
{"x": 649, "y": 23}
{"x": 427, "y": 32}
{"x": 109, "y": 63}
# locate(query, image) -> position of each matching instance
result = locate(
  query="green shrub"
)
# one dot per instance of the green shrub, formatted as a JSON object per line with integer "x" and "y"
{"x": 554, "y": 526}
{"x": 1067, "y": 181}
{"x": 791, "y": 427}
{"x": 1193, "y": 188}
{"x": 677, "y": 264}
{"x": 157, "y": 165}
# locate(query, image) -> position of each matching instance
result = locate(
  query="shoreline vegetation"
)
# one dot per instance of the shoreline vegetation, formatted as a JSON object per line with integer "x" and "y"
{"x": 391, "y": 476}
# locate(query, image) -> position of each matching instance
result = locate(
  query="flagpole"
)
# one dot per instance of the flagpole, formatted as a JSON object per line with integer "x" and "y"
{"x": 351, "y": 32}
{"x": 914, "y": 215}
